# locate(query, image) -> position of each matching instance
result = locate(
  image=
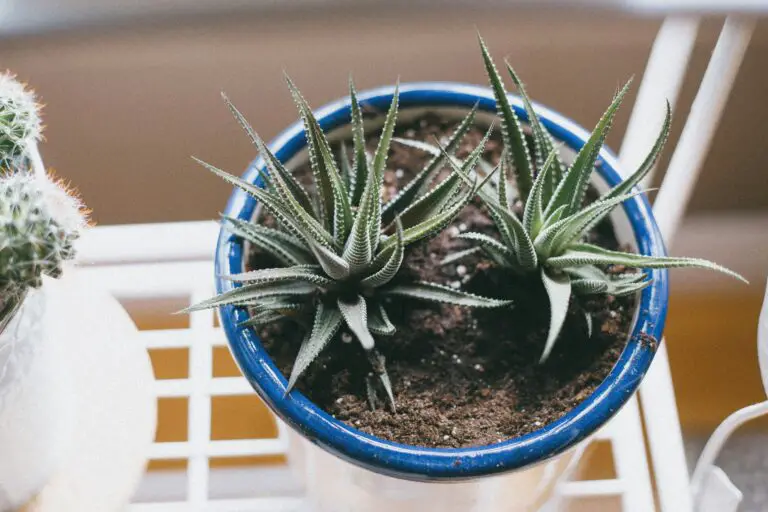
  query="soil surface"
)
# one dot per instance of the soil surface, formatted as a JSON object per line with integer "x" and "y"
{"x": 462, "y": 377}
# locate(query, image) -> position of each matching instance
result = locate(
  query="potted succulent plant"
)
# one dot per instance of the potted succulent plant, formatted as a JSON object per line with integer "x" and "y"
{"x": 525, "y": 237}
{"x": 77, "y": 412}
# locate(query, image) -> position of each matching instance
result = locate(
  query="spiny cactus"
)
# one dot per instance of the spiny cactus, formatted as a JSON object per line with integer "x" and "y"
{"x": 32, "y": 242}
{"x": 19, "y": 122}
{"x": 549, "y": 240}
{"x": 340, "y": 249}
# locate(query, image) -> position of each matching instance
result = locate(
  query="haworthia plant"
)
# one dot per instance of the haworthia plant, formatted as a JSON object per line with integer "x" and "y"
{"x": 340, "y": 249}
{"x": 550, "y": 238}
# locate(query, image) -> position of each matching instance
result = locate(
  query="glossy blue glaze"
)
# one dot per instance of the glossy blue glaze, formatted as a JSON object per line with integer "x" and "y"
{"x": 419, "y": 463}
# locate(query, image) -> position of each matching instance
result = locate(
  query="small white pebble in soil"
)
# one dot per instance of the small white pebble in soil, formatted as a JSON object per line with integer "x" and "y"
{"x": 458, "y": 360}
{"x": 339, "y": 400}
{"x": 454, "y": 356}
{"x": 446, "y": 437}
{"x": 442, "y": 352}
{"x": 461, "y": 270}
{"x": 466, "y": 279}
{"x": 453, "y": 231}
{"x": 479, "y": 367}
{"x": 406, "y": 383}
{"x": 357, "y": 423}
{"x": 463, "y": 227}
{"x": 453, "y": 431}
{"x": 455, "y": 284}
{"x": 399, "y": 173}
{"x": 537, "y": 423}
{"x": 614, "y": 314}
{"x": 410, "y": 132}
{"x": 346, "y": 337}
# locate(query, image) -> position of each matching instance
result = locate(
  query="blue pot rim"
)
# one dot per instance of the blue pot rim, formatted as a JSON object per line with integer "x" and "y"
{"x": 421, "y": 463}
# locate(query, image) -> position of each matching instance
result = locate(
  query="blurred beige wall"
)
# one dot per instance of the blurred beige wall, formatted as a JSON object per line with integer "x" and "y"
{"x": 126, "y": 107}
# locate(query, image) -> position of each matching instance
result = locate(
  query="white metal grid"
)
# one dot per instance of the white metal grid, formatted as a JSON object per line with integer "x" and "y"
{"x": 174, "y": 260}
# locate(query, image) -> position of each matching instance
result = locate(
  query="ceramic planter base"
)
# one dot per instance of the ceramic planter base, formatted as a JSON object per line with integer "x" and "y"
{"x": 37, "y": 398}
{"x": 334, "y": 485}
{"x": 109, "y": 396}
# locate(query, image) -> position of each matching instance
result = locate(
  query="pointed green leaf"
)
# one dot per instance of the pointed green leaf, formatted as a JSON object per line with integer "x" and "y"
{"x": 589, "y": 286}
{"x": 327, "y": 322}
{"x": 511, "y": 131}
{"x": 438, "y": 293}
{"x": 558, "y": 236}
{"x": 271, "y": 202}
{"x": 571, "y": 189}
{"x": 272, "y": 163}
{"x": 458, "y": 255}
{"x": 542, "y": 140}
{"x": 379, "y": 322}
{"x": 380, "y": 162}
{"x": 408, "y": 193}
{"x": 347, "y": 172}
{"x": 355, "y": 314}
{"x": 271, "y": 241}
{"x": 508, "y": 224}
{"x": 587, "y": 254}
{"x": 503, "y": 193}
{"x": 333, "y": 265}
{"x": 533, "y": 216}
{"x": 309, "y": 274}
{"x": 392, "y": 265}
{"x": 500, "y": 253}
{"x": 649, "y": 162}
{"x": 252, "y": 293}
{"x": 360, "y": 159}
{"x": 261, "y": 318}
{"x": 435, "y": 201}
{"x": 558, "y": 287}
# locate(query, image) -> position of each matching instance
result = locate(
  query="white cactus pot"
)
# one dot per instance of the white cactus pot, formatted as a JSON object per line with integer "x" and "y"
{"x": 89, "y": 402}
{"x": 37, "y": 403}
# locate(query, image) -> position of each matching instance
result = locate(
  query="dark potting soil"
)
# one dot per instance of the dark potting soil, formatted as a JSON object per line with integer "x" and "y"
{"x": 461, "y": 377}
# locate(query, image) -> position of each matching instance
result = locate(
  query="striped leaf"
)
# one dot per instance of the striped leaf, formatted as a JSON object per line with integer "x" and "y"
{"x": 434, "y": 292}
{"x": 542, "y": 140}
{"x": 326, "y": 324}
{"x": 588, "y": 254}
{"x": 511, "y": 131}
{"x": 570, "y": 191}
{"x": 408, "y": 193}
{"x": 558, "y": 287}
{"x": 355, "y": 315}
{"x": 390, "y": 268}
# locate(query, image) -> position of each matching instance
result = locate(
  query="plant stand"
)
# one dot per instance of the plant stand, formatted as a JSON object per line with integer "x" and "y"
{"x": 174, "y": 261}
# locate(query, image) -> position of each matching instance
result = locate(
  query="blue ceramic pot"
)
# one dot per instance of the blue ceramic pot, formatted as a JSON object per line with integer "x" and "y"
{"x": 635, "y": 225}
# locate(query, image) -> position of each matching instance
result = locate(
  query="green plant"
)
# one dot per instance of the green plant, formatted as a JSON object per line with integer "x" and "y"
{"x": 32, "y": 242}
{"x": 341, "y": 248}
{"x": 19, "y": 122}
{"x": 549, "y": 240}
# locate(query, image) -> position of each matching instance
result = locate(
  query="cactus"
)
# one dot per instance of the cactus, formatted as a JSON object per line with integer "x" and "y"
{"x": 32, "y": 242}
{"x": 39, "y": 217}
{"x": 20, "y": 123}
